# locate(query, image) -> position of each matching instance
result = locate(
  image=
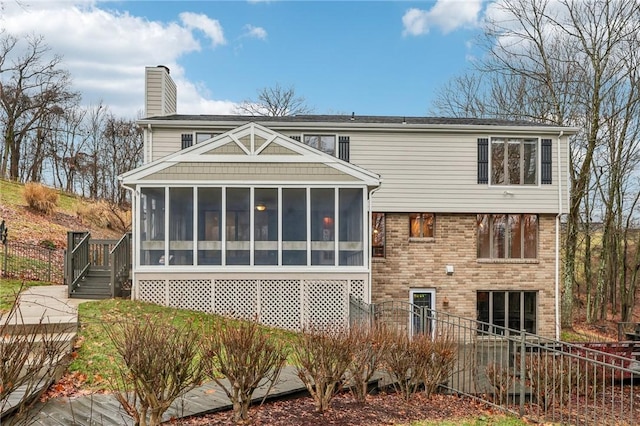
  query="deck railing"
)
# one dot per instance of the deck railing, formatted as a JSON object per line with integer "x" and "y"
{"x": 526, "y": 374}
{"x": 120, "y": 260}
{"x": 78, "y": 260}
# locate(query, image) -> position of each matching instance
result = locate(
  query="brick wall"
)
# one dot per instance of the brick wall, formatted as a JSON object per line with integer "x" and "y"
{"x": 420, "y": 264}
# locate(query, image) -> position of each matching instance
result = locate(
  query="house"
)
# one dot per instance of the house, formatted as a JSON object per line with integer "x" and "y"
{"x": 288, "y": 218}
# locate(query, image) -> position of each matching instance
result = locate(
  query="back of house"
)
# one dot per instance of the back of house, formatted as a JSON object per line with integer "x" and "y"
{"x": 292, "y": 219}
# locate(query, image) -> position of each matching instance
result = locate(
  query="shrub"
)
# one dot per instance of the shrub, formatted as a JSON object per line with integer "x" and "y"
{"x": 245, "y": 356}
{"x": 403, "y": 362}
{"x": 322, "y": 357}
{"x": 501, "y": 379}
{"x": 159, "y": 365}
{"x": 104, "y": 215}
{"x": 40, "y": 198}
{"x": 439, "y": 361}
{"x": 368, "y": 346}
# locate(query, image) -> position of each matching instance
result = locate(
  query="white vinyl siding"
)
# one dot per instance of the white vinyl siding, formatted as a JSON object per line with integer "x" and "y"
{"x": 438, "y": 173}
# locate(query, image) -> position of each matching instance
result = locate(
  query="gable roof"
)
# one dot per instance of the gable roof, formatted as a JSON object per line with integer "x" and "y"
{"x": 248, "y": 147}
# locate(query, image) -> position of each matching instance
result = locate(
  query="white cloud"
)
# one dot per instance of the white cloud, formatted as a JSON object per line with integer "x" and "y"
{"x": 447, "y": 15}
{"x": 255, "y": 32}
{"x": 106, "y": 51}
{"x": 210, "y": 27}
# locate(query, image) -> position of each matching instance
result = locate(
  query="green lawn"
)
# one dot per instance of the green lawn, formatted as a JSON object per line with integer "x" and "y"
{"x": 483, "y": 421}
{"x": 9, "y": 289}
{"x": 97, "y": 359}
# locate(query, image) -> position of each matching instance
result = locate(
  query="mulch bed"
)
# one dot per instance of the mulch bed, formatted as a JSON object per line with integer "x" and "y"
{"x": 380, "y": 409}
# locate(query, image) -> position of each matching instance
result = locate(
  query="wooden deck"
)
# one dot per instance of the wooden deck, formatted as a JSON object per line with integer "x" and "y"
{"x": 104, "y": 409}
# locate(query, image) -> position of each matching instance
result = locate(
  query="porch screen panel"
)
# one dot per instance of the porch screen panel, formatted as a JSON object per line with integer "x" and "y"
{"x": 322, "y": 226}
{"x": 294, "y": 226}
{"x": 151, "y": 227}
{"x": 265, "y": 232}
{"x": 181, "y": 226}
{"x": 238, "y": 228}
{"x": 350, "y": 223}
{"x": 209, "y": 226}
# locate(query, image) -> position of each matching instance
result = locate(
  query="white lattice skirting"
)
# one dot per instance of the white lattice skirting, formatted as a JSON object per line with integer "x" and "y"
{"x": 291, "y": 304}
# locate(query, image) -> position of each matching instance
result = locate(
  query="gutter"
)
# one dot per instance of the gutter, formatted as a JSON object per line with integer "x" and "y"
{"x": 560, "y": 213}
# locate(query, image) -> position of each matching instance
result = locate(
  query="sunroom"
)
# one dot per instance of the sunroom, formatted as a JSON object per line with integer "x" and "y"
{"x": 253, "y": 224}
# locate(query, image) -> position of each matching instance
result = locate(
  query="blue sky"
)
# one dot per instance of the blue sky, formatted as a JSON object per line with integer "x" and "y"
{"x": 374, "y": 58}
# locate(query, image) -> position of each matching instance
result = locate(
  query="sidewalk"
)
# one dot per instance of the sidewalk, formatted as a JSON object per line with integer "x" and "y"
{"x": 50, "y": 304}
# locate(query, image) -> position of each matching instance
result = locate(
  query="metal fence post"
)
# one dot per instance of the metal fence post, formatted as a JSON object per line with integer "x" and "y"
{"x": 49, "y": 266}
{"x": 523, "y": 372}
{"x": 4, "y": 260}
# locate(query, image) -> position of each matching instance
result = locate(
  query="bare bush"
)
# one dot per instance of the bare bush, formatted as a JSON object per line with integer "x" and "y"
{"x": 247, "y": 357}
{"x": 403, "y": 361}
{"x": 368, "y": 345}
{"x": 500, "y": 378}
{"x": 439, "y": 361}
{"x": 322, "y": 357}
{"x": 40, "y": 198}
{"x": 31, "y": 361}
{"x": 160, "y": 365}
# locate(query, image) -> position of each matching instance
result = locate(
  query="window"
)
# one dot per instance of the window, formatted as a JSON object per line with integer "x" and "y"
{"x": 421, "y": 225}
{"x": 201, "y": 137}
{"x": 324, "y": 143}
{"x": 377, "y": 234}
{"x": 514, "y": 161}
{"x": 507, "y": 236}
{"x": 510, "y": 311}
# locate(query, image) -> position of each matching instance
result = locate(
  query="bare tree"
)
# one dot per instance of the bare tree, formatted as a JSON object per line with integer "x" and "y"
{"x": 565, "y": 63}
{"x": 31, "y": 87}
{"x": 276, "y": 101}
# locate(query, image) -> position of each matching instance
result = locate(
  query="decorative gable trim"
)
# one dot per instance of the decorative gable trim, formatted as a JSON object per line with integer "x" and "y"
{"x": 245, "y": 138}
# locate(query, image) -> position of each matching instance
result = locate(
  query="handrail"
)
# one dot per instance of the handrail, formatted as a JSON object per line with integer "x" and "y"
{"x": 79, "y": 262}
{"x": 120, "y": 261}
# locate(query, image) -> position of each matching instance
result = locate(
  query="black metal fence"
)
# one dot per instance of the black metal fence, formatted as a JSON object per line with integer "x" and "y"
{"x": 525, "y": 374}
{"x": 31, "y": 262}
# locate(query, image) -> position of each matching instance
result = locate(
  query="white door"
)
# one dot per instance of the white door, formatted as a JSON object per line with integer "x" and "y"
{"x": 423, "y": 301}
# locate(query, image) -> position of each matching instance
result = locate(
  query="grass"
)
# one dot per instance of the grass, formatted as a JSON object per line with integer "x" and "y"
{"x": 500, "y": 420}
{"x": 9, "y": 289}
{"x": 97, "y": 359}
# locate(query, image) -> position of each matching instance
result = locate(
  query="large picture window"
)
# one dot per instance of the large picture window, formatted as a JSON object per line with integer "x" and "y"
{"x": 514, "y": 161}
{"x": 507, "y": 236}
{"x": 510, "y": 311}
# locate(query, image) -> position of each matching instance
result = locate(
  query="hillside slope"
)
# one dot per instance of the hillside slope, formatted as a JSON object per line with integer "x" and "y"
{"x": 29, "y": 226}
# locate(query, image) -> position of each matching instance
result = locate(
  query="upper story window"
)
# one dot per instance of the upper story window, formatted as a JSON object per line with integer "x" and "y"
{"x": 421, "y": 225}
{"x": 324, "y": 143}
{"x": 377, "y": 234}
{"x": 201, "y": 137}
{"x": 514, "y": 161}
{"x": 507, "y": 236}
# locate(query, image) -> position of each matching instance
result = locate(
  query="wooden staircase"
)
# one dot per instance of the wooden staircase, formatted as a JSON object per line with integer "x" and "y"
{"x": 96, "y": 284}
{"x": 97, "y": 269}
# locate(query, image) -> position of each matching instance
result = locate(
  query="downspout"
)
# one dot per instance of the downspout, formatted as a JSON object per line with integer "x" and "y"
{"x": 149, "y": 156}
{"x": 371, "y": 192}
{"x": 560, "y": 213}
{"x": 134, "y": 210}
